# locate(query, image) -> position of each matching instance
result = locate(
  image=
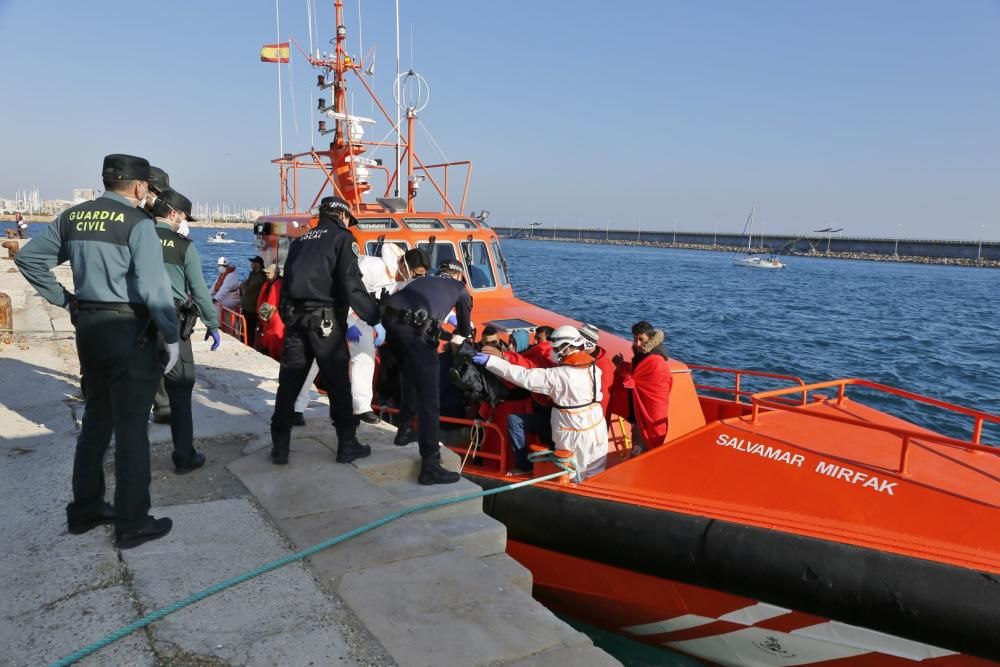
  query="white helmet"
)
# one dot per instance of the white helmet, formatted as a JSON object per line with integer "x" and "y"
{"x": 222, "y": 262}
{"x": 564, "y": 338}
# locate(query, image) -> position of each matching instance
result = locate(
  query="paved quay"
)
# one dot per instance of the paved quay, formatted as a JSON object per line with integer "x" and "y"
{"x": 433, "y": 588}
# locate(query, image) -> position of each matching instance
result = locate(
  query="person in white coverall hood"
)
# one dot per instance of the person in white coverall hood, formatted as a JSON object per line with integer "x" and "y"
{"x": 575, "y": 389}
{"x": 377, "y": 274}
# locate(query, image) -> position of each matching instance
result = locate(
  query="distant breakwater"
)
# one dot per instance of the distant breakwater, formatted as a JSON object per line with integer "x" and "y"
{"x": 985, "y": 254}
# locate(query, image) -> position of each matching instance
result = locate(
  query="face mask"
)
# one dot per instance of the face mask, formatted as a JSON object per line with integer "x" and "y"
{"x": 222, "y": 268}
{"x": 150, "y": 199}
{"x": 183, "y": 228}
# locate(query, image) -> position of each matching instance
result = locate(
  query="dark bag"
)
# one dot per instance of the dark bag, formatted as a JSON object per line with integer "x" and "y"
{"x": 187, "y": 317}
{"x": 476, "y": 383}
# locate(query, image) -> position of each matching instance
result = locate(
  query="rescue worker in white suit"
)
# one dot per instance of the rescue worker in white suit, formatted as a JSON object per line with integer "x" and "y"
{"x": 575, "y": 389}
{"x": 378, "y": 274}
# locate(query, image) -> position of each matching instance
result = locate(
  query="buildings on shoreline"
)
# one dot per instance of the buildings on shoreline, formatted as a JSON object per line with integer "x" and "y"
{"x": 30, "y": 202}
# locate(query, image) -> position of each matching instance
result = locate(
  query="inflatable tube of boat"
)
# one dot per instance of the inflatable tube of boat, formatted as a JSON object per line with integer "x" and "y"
{"x": 943, "y": 605}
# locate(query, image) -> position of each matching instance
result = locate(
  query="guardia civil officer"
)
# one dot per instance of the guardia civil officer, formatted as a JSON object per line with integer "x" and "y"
{"x": 159, "y": 180}
{"x": 180, "y": 258}
{"x": 122, "y": 298}
{"x": 322, "y": 282}
{"x": 412, "y": 320}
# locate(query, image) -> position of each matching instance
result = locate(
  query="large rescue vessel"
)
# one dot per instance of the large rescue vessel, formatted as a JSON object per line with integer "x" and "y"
{"x": 785, "y": 527}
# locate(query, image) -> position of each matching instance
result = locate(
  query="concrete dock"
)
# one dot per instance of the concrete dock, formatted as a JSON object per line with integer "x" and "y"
{"x": 429, "y": 589}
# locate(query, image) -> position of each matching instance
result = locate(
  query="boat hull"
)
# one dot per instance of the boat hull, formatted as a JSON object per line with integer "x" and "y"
{"x": 586, "y": 554}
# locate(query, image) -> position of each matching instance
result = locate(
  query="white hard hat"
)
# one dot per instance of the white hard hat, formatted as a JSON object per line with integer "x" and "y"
{"x": 222, "y": 262}
{"x": 564, "y": 338}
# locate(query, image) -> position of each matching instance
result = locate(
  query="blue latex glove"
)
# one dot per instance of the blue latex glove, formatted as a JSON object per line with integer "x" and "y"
{"x": 479, "y": 358}
{"x": 216, "y": 338}
{"x": 452, "y": 320}
{"x": 379, "y": 335}
{"x": 353, "y": 334}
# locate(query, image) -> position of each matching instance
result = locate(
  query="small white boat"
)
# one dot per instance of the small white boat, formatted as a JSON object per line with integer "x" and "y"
{"x": 752, "y": 260}
{"x": 220, "y": 237}
{"x": 758, "y": 262}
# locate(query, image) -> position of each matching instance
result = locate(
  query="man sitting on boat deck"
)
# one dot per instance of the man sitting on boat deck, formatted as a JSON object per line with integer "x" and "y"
{"x": 641, "y": 390}
{"x": 575, "y": 389}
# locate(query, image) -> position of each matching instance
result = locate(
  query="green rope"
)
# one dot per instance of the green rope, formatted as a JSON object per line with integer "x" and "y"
{"x": 305, "y": 553}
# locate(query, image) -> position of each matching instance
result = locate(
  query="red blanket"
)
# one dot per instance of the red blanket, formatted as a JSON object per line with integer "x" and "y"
{"x": 649, "y": 383}
{"x": 272, "y": 336}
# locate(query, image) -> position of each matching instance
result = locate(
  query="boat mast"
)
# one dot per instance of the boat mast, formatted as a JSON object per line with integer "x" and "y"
{"x": 398, "y": 128}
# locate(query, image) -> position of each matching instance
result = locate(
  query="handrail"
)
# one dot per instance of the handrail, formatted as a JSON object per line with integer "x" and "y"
{"x": 738, "y": 374}
{"x": 759, "y": 400}
{"x": 233, "y": 323}
{"x": 501, "y": 457}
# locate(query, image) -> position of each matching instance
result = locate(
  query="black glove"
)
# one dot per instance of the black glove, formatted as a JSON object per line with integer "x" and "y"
{"x": 73, "y": 308}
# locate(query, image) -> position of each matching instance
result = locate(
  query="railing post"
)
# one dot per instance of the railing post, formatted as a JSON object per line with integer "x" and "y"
{"x": 905, "y": 456}
{"x": 841, "y": 391}
{"x": 977, "y": 430}
{"x": 736, "y": 394}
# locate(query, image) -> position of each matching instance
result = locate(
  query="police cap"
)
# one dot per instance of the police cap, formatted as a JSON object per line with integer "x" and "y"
{"x": 121, "y": 167}
{"x": 178, "y": 202}
{"x": 450, "y": 265}
{"x": 331, "y": 205}
{"x": 158, "y": 180}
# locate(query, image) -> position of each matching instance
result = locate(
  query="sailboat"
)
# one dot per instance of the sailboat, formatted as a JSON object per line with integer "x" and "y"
{"x": 752, "y": 259}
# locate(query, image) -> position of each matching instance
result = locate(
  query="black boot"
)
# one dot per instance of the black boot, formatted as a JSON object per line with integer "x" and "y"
{"x": 405, "y": 435}
{"x": 280, "y": 442}
{"x": 348, "y": 449}
{"x": 431, "y": 472}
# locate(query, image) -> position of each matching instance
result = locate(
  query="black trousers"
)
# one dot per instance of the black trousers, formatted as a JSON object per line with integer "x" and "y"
{"x": 302, "y": 345}
{"x": 419, "y": 384}
{"x": 179, "y": 385}
{"x": 120, "y": 376}
{"x": 251, "y": 318}
{"x": 161, "y": 400}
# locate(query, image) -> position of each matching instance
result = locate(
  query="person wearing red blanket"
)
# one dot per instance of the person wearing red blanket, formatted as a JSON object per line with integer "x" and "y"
{"x": 641, "y": 389}
{"x": 271, "y": 340}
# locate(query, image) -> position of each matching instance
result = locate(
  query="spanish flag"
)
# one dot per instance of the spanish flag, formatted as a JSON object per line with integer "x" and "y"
{"x": 274, "y": 53}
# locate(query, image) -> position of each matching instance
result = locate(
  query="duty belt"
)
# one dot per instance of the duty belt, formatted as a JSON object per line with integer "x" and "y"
{"x": 134, "y": 308}
{"x": 419, "y": 319}
{"x": 312, "y": 315}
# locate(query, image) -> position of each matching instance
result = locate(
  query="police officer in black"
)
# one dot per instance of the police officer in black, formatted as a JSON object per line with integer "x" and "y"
{"x": 412, "y": 321}
{"x": 322, "y": 282}
{"x": 122, "y": 298}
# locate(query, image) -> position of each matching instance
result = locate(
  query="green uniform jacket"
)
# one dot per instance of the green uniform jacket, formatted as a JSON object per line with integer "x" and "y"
{"x": 115, "y": 255}
{"x": 183, "y": 265}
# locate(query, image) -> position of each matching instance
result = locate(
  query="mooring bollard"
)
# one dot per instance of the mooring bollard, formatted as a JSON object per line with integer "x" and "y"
{"x": 6, "y": 320}
{"x": 12, "y": 248}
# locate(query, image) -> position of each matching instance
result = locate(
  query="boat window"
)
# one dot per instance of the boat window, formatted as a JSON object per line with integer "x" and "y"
{"x": 372, "y": 246}
{"x": 441, "y": 252}
{"x": 374, "y": 224}
{"x": 477, "y": 261}
{"x": 501, "y": 264}
{"x": 459, "y": 223}
{"x": 423, "y": 223}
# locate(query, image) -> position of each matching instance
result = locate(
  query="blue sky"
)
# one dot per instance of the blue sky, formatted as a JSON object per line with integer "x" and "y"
{"x": 882, "y": 117}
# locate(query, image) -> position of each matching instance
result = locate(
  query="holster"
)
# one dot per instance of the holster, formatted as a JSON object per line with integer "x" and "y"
{"x": 187, "y": 317}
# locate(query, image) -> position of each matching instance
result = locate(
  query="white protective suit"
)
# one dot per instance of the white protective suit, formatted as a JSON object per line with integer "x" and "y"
{"x": 377, "y": 274}
{"x": 228, "y": 294}
{"x": 581, "y": 430}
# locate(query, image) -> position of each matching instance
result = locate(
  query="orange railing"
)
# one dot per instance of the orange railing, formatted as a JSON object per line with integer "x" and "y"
{"x": 233, "y": 323}
{"x": 501, "y": 458}
{"x": 736, "y": 391}
{"x": 907, "y": 435}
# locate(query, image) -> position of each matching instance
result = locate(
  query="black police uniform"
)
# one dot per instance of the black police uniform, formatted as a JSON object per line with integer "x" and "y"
{"x": 412, "y": 321}
{"x": 124, "y": 298}
{"x": 322, "y": 282}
